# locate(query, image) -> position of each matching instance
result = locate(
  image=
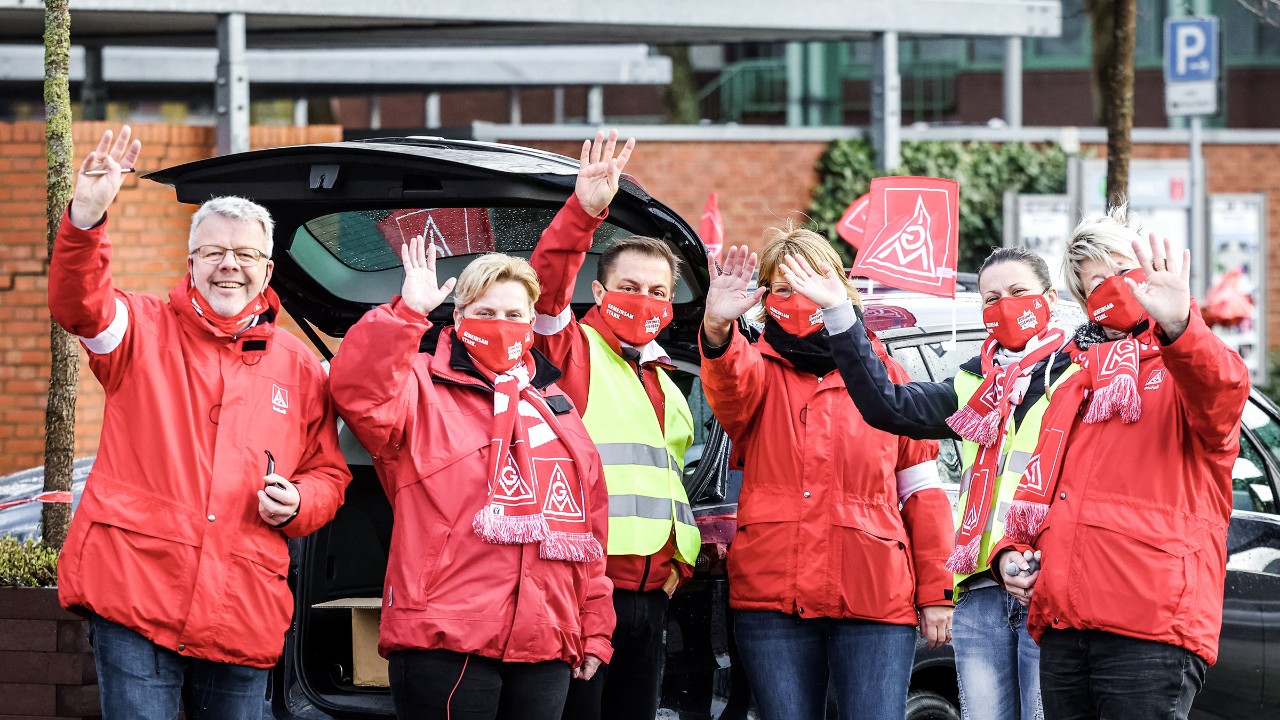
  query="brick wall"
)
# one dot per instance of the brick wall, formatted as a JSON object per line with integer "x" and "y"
{"x": 148, "y": 229}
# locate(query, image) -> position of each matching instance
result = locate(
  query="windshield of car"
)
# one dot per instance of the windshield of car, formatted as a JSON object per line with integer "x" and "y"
{"x": 355, "y": 254}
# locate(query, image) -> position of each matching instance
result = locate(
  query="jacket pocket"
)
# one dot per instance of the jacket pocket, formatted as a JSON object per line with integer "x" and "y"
{"x": 432, "y": 554}
{"x": 257, "y": 596}
{"x": 875, "y": 577}
{"x": 1132, "y": 568}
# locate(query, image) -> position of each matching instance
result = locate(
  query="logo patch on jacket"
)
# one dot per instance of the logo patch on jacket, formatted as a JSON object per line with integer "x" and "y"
{"x": 1156, "y": 379}
{"x": 280, "y": 399}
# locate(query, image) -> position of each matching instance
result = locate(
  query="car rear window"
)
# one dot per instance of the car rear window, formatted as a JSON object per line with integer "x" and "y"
{"x": 356, "y": 255}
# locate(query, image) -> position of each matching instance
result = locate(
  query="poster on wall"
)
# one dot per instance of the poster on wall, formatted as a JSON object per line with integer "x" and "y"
{"x": 1236, "y": 298}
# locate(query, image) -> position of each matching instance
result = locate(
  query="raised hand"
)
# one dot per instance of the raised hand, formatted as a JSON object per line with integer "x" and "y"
{"x": 599, "y": 171}
{"x": 826, "y": 289}
{"x": 94, "y": 194}
{"x": 730, "y": 294}
{"x": 420, "y": 291}
{"x": 1167, "y": 294}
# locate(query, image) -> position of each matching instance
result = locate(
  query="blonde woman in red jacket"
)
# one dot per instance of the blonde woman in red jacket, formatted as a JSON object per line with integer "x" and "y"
{"x": 843, "y": 530}
{"x": 1128, "y": 494}
{"x": 495, "y": 592}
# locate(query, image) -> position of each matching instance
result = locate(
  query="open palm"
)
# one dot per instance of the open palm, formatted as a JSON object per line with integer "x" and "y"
{"x": 599, "y": 171}
{"x": 95, "y": 193}
{"x": 1166, "y": 296}
{"x": 731, "y": 294}
{"x": 420, "y": 290}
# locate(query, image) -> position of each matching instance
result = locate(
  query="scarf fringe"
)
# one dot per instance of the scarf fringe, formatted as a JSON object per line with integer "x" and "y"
{"x": 982, "y": 429}
{"x": 1119, "y": 396}
{"x": 508, "y": 529}
{"x": 1024, "y": 520}
{"x": 964, "y": 559}
{"x": 570, "y": 546}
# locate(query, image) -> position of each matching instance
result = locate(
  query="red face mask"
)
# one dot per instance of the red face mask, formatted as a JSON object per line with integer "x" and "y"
{"x": 636, "y": 319}
{"x": 496, "y": 344}
{"x": 1015, "y": 320}
{"x": 226, "y": 325}
{"x": 1111, "y": 305}
{"x": 796, "y": 314}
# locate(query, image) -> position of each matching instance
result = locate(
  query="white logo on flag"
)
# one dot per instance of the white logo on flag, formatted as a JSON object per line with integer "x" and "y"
{"x": 280, "y": 399}
{"x": 561, "y": 503}
{"x": 911, "y": 245}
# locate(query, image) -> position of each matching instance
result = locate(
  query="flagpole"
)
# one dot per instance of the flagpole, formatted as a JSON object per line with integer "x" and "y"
{"x": 953, "y": 343}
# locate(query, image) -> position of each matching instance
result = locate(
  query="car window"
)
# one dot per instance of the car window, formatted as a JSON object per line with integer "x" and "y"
{"x": 911, "y": 361}
{"x": 1250, "y": 488}
{"x": 944, "y": 363}
{"x": 355, "y": 253}
{"x": 1264, "y": 427}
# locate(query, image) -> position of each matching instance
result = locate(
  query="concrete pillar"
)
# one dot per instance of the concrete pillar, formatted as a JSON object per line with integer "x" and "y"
{"x": 595, "y": 105}
{"x": 231, "y": 99}
{"x": 1013, "y": 82}
{"x": 432, "y": 110}
{"x": 886, "y": 101}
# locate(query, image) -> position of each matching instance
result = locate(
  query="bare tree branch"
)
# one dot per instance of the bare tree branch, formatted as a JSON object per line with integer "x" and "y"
{"x": 1267, "y": 11}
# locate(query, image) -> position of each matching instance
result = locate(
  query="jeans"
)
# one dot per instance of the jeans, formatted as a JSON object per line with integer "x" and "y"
{"x": 789, "y": 661}
{"x": 630, "y": 686}
{"x": 997, "y": 662}
{"x": 139, "y": 680}
{"x": 1096, "y": 674}
{"x": 447, "y": 685}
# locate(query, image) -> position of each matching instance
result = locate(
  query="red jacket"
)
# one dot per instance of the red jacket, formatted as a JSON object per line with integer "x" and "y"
{"x": 427, "y": 422}
{"x": 557, "y": 259}
{"x": 1135, "y": 539}
{"x": 820, "y": 532}
{"x": 167, "y": 539}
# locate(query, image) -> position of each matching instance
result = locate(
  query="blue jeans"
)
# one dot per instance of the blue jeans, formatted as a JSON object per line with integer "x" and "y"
{"x": 789, "y": 660}
{"x": 997, "y": 661}
{"x": 140, "y": 680}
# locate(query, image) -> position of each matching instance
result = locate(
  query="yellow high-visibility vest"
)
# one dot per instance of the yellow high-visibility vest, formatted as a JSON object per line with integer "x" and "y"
{"x": 643, "y": 466}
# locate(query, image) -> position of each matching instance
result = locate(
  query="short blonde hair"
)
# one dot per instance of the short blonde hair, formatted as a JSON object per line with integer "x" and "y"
{"x": 1099, "y": 237}
{"x": 780, "y": 242}
{"x": 489, "y": 269}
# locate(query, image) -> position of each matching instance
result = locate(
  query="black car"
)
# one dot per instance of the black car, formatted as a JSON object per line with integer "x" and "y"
{"x": 341, "y": 209}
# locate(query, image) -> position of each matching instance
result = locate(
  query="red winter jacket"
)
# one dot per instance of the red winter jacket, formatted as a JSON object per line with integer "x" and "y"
{"x": 427, "y": 421}
{"x": 820, "y": 532}
{"x": 167, "y": 540}
{"x": 1135, "y": 539}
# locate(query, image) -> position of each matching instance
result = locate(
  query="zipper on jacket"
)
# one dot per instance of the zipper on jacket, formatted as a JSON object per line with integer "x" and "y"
{"x": 644, "y": 577}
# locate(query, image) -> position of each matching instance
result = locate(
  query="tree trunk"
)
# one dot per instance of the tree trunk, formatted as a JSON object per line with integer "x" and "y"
{"x": 1119, "y": 100}
{"x": 64, "y": 367}
{"x": 680, "y": 98}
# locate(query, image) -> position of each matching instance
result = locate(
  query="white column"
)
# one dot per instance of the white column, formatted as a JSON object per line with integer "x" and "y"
{"x": 886, "y": 101}
{"x": 231, "y": 99}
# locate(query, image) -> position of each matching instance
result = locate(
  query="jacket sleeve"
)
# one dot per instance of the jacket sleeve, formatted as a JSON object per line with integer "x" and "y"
{"x": 1212, "y": 381}
{"x": 322, "y": 475}
{"x": 733, "y": 381}
{"x": 926, "y": 511}
{"x": 557, "y": 259}
{"x": 371, "y": 376}
{"x": 598, "y": 618}
{"x": 914, "y": 409}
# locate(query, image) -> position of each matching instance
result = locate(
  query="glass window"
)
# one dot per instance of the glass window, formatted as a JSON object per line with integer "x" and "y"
{"x": 1264, "y": 427}
{"x": 986, "y": 50}
{"x": 909, "y": 358}
{"x": 946, "y": 363}
{"x": 1250, "y": 488}
{"x": 1073, "y": 42}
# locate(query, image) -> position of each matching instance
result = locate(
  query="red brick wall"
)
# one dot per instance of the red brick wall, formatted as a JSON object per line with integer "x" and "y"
{"x": 148, "y": 229}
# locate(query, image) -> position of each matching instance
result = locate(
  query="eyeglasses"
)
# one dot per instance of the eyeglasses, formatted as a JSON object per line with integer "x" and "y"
{"x": 245, "y": 257}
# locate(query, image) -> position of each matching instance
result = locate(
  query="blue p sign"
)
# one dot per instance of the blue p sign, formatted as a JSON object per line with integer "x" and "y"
{"x": 1191, "y": 50}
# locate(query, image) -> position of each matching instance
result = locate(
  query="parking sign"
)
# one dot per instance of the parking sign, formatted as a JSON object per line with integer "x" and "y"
{"x": 1191, "y": 66}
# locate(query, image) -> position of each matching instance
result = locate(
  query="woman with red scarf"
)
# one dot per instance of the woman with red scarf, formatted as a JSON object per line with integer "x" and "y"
{"x": 1128, "y": 494}
{"x": 495, "y": 592}
{"x": 843, "y": 530}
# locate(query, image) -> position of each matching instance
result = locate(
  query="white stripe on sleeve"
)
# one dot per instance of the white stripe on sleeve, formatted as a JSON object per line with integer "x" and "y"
{"x": 916, "y": 478}
{"x": 552, "y": 324}
{"x": 110, "y": 339}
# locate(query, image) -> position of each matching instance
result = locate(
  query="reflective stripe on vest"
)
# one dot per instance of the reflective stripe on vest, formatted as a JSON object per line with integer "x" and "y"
{"x": 643, "y": 466}
{"x": 1019, "y": 444}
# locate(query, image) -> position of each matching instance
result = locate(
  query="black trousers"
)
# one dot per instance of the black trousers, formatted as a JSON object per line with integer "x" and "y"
{"x": 1096, "y": 674}
{"x": 630, "y": 686}
{"x": 446, "y": 685}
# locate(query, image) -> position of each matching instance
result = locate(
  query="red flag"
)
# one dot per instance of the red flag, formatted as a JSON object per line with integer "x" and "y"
{"x": 853, "y": 224}
{"x": 711, "y": 227}
{"x": 912, "y": 239}
{"x": 454, "y": 231}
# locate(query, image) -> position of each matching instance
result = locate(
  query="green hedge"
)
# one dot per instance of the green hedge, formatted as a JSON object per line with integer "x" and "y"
{"x": 984, "y": 170}
{"x": 27, "y": 564}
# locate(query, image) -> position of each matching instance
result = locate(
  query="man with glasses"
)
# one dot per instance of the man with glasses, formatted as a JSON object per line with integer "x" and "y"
{"x": 219, "y": 442}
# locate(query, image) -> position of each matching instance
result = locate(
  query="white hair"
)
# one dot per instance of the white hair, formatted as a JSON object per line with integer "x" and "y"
{"x": 234, "y": 208}
{"x": 1099, "y": 237}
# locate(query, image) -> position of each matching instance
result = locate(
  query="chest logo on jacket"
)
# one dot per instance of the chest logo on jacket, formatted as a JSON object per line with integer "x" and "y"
{"x": 280, "y": 399}
{"x": 1156, "y": 379}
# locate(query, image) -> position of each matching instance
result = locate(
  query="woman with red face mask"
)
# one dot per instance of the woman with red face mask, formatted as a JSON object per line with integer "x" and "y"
{"x": 843, "y": 530}
{"x": 495, "y": 593}
{"x": 994, "y": 406}
{"x": 1129, "y": 493}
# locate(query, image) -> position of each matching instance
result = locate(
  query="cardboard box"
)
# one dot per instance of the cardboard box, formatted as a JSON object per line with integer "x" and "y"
{"x": 368, "y": 668}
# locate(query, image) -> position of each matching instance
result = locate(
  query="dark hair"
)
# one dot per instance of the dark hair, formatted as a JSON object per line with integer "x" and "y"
{"x": 651, "y": 247}
{"x": 1033, "y": 261}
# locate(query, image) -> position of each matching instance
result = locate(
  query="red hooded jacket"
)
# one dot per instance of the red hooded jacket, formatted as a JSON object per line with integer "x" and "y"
{"x": 427, "y": 421}
{"x": 167, "y": 540}
{"x": 820, "y": 529}
{"x": 1135, "y": 540}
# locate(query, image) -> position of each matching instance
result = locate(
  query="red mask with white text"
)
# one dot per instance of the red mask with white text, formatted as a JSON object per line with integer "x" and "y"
{"x": 1111, "y": 305}
{"x": 636, "y": 319}
{"x": 226, "y": 325}
{"x": 1015, "y": 320}
{"x": 795, "y": 314}
{"x": 496, "y": 344}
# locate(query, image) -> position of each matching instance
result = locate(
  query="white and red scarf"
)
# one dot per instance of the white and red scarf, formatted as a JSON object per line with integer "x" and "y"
{"x": 522, "y": 506}
{"x": 1006, "y": 375}
{"x": 1108, "y": 383}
